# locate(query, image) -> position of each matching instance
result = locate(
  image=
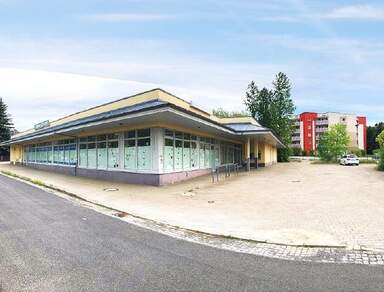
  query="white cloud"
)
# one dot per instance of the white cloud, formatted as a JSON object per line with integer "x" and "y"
{"x": 46, "y": 79}
{"x": 126, "y": 17}
{"x": 206, "y": 82}
{"x": 35, "y": 95}
{"x": 350, "y": 12}
{"x": 363, "y": 12}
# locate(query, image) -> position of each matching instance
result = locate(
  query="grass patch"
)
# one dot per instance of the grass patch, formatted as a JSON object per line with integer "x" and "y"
{"x": 34, "y": 181}
{"x": 323, "y": 162}
{"x": 368, "y": 161}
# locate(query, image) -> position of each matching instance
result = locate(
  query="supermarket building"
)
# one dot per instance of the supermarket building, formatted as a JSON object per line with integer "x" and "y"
{"x": 150, "y": 138}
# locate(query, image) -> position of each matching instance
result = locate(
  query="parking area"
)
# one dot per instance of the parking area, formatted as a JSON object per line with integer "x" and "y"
{"x": 294, "y": 203}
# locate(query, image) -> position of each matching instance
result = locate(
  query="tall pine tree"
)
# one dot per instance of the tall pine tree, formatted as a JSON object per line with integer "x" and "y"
{"x": 6, "y": 127}
{"x": 274, "y": 109}
{"x": 284, "y": 110}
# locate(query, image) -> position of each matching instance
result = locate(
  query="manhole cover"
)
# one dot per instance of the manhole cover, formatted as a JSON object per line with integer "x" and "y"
{"x": 111, "y": 189}
{"x": 211, "y": 202}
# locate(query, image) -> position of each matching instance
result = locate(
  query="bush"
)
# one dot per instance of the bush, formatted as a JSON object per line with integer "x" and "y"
{"x": 296, "y": 151}
{"x": 381, "y": 162}
{"x": 358, "y": 152}
{"x": 376, "y": 153}
{"x": 283, "y": 154}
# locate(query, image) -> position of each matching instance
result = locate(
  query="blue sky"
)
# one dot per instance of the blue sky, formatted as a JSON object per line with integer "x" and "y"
{"x": 58, "y": 57}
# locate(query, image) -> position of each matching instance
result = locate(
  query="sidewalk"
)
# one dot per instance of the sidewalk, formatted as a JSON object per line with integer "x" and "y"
{"x": 295, "y": 203}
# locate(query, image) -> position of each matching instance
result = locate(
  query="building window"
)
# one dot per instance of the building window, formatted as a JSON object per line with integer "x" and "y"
{"x": 178, "y": 150}
{"x": 138, "y": 149}
{"x": 91, "y": 146}
{"x": 144, "y": 149}
{"x": 186, "y": 151}
{"x": 59, "y": 152}
{"x": 101, "y": 152}
{"x": 169, "y": 150}
{"x": 83, "y": 155}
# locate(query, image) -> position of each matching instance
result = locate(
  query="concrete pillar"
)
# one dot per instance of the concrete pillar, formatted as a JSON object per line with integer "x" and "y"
{"x": 256, "y": 151}
{"x": 248, "y": 153}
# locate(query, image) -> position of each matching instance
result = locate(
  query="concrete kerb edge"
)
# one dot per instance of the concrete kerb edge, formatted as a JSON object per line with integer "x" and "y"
{"x": 164, "y": 227}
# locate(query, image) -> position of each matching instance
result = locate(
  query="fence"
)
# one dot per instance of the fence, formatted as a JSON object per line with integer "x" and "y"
{"x": 226, "y": 169}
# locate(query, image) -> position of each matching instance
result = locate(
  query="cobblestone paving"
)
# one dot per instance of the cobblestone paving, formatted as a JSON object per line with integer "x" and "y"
{"x": 318, "y": 254}
{"x": 337, "y": 255}
{"x": 286, "y": 252}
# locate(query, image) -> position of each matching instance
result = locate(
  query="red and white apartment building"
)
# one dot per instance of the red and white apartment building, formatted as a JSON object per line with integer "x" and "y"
{"x": 309, "y": 126}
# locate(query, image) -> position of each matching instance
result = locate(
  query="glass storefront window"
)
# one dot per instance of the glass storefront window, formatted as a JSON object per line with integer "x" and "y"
{"x": 182, "y": 151}
{"x": 130, "y": 154}
{"x": 143, "y": 133}
{"x": 178, "y": 154}
{"x": 101, "y": 155}
{"x": 83, "y": 155}
{"x": 168, "y": 154}
{"x": 138, "y": 149}
{"x": 91, "y": 155}
{"x": 201, "y": 155}
{"x": 194, "y": 155}
{"x": 144, "y": 154}
{"x": 187, "y": 155}
{"x": 113, "y": 154}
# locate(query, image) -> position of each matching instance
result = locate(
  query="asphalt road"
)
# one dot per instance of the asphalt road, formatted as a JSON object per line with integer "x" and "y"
{"x": 49, "y": 244}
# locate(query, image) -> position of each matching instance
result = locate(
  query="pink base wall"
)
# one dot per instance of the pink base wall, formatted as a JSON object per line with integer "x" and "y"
{"x": 171, "y": 178}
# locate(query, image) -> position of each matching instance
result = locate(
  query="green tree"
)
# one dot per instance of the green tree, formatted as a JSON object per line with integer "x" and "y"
{"x": 221, "y": 113}
{"x": 274, "y": 109}
{"x": 380, "y": 141}
{"x": 259, "y": 104}
{"x": 333, "y": 143}
{"x": 6, "y": 126}
{"x": 372, "y": 133}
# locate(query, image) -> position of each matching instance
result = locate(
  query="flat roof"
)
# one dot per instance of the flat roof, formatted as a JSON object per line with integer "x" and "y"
{"x": 144, "y": 101}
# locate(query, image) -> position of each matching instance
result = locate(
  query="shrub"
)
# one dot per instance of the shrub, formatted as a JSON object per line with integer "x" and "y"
{"x": 358, "y": 152}
{"x": 380, "y": 140}
{"x": 381, "y": 162}
{"x": 296, "y": 151}
{"x": 283, "y": 154}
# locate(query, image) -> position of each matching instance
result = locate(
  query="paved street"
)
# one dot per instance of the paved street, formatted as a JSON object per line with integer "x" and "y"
{"x": 290, "y": 203}
{"x": 49, "y": 244}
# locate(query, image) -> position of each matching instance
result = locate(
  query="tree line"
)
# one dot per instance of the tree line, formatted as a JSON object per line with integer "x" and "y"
{"x": 6, "y": 128}
{"x": 272, "y": 108}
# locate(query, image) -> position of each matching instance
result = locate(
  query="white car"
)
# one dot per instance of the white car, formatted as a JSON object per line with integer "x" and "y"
{"x": 349, "y": 159}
